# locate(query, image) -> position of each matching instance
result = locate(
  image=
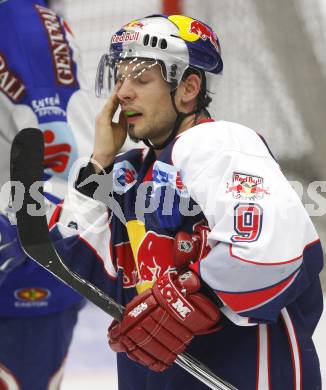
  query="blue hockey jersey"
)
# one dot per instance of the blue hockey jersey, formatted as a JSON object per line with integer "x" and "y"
{"x": 259, "y": 252}
{"x": 41, "y": 85}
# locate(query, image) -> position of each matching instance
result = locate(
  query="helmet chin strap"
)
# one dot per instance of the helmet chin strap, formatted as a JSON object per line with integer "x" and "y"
{"x": 180, "y": 117}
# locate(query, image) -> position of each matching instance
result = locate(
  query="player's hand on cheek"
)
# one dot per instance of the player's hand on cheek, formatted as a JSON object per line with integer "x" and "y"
{"x": 109, "y": 136}
{"x": 159, "y": 323}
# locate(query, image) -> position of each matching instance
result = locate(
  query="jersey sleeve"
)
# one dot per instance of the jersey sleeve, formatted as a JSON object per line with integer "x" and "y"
{"x": 81, "y": 231}
{"x": 85, "y": 227}
{"x": 265, "y": 250}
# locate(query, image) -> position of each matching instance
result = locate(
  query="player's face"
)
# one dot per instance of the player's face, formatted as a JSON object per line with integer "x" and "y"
{"x": 146, "y": 102}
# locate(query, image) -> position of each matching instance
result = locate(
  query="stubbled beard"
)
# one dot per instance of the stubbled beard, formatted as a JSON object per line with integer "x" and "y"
{"x": 133, "y": 138}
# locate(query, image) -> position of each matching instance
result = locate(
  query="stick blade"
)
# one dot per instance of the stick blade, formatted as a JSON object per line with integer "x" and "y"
{"x": 26, "y": 167}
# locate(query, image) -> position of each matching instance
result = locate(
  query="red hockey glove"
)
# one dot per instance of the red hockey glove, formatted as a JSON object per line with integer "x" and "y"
{"x": 159, "y": 323}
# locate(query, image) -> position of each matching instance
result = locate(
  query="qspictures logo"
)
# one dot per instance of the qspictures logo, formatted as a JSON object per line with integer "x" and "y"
{"x": 61, "y": 53}
{"x": 10, "y": 84}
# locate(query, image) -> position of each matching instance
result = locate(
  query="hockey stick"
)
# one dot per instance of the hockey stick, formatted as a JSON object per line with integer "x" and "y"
{"x": 26, "y": 167}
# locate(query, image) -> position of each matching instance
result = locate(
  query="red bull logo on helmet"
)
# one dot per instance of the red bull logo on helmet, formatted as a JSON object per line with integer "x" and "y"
{"x": 191, "y": 30}
{"x": 126, "y": 36}
{"x": 204, "y": 32}
{"x": 133, "y": 24}
{"x": 247, "y": 187}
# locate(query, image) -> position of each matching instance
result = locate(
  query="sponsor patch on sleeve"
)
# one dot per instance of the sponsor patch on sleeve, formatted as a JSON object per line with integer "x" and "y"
{"x": 247, "y": 187}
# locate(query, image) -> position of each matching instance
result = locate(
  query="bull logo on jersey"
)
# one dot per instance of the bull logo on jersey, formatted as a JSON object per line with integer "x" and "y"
{"x": 124, "y": 176}
{"x": 126, "y": 263}
{"x": 32, "y": 294}
{"x": 155, "y": 256}
{"x": 247, "y": 187}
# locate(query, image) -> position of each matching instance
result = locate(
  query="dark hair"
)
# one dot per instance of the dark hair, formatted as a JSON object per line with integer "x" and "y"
{"x": 203, "y": 100}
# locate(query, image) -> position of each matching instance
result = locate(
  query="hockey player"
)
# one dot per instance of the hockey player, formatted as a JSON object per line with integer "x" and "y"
{"x": 40, "y": 86}
{"x": 200, "y": 235}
